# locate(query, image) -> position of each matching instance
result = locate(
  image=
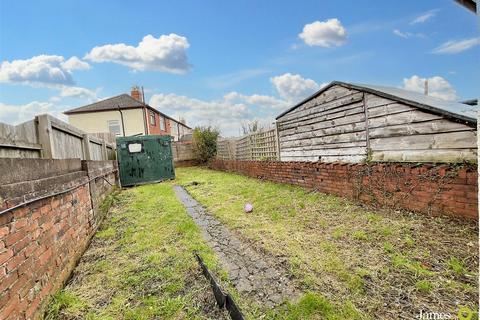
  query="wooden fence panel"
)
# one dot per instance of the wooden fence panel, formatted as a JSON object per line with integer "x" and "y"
{"x": 95, "y": 151}
{"x": 226, "y": 149}
{"x": 256, "y": 146}
{"x": 50, "y": 138}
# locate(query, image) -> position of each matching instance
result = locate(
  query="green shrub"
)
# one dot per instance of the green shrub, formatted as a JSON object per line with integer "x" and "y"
{"x": 205, "y": 143}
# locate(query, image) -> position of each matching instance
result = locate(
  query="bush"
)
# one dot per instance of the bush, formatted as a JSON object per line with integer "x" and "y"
{"x": 205, "y": 143}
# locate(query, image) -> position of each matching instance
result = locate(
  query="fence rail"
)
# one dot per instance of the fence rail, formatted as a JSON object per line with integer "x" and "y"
{"x": 50, "y": 138}
{"x": 261, "y": 145}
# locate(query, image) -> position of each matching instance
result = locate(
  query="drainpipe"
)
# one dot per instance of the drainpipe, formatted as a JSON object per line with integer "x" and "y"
{"x": 145, "y": 120}
{"x": 121, "y": 117}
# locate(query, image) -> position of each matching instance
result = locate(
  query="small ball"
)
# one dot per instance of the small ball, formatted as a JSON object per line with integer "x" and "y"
{"x": 248, "y": 207}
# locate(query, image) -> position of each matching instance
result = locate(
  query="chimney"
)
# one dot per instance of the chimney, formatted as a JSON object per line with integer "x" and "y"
{"x": 425, "y": 91}
{"x": 136, "y": 94}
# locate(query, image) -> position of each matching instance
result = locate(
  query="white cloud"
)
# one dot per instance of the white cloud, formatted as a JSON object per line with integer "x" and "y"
{"x": 438, "y": 87}
{"x": 456, "y": 46}
{"x": 166, "y": 53}
{"x": 78, "y": 92}
{"x": 234, "y": 108}
{"x": 329, "y": 33}
{"x": 74, "y": 63}
{"x": 15, "y": 114}
{"x": 256, "y": 99}
{"x": 425, "y": 17}
{"x": 293, "y": 87}
{"x": 400, "y": 33}
{"x": 225, "y": 115}
{"x": 43, "y": 70}
{"x": 407, "y": 35}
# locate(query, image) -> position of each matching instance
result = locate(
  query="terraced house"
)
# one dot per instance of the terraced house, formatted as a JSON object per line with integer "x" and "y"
{"x": 126, "y": 115}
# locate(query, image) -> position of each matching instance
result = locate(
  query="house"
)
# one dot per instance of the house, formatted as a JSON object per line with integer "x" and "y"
{"x": 126, "y": 115}
{"x": 356, "y": 123}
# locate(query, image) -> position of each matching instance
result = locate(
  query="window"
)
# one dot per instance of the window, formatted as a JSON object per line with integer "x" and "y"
{"x": 134, "y": 147}
{"x": 162, "y": 123}
{"x": 152, "y": 118}
{"x": 114, "y": 126}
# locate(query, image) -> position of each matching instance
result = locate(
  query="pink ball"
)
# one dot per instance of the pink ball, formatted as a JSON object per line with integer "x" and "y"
{"x": 248, "y": 207}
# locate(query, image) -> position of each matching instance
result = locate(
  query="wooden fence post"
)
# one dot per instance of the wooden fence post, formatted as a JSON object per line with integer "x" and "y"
{"x": 277, "y": 140}
{"x": 86, "y": 147}
{"x": 44, "y": 127}
{"x": 104, "y": 150}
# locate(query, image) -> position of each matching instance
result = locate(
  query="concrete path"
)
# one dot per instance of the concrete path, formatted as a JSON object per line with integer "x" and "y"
{"x": 250, "y": 271}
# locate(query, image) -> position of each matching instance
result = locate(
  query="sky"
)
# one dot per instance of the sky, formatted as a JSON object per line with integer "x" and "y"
{"x": 224, "y": 63}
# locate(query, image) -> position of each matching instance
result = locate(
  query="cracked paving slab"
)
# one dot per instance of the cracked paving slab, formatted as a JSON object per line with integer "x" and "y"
{"x": 249, "y": 271}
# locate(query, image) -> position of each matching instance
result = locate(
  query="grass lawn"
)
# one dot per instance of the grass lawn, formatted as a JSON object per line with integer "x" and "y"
{"x": 140, "y": 264}
{"x": 347, "y": 261}
{"x": 352, "y": 262}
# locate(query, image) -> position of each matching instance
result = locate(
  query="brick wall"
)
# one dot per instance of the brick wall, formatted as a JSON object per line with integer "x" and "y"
{"x": 156, "y": 129}
{"x": 186, "y": 163}
{"x": 40, "y": 243}
{"x": 425, "y": 188}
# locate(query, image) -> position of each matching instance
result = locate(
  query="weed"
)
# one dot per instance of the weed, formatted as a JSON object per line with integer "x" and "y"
{"x": 409, "y": 242}
{"x": 315, "y": 306}
{"x": 385, "y": 231}
{"x": 360, "y": 235}
{"x": 388, "y": 247}
{"x": 415, "y": 267}
{"x": 106, "y": 233}
{"x": 338, "y": 233}
{"x": 457, "y": 266}
{"x": 424, "y": 286}
{"x": 64, "y": 300}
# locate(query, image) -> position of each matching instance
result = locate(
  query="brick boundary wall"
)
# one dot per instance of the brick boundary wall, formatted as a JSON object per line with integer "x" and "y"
{"x": 425, "y": 188}
{"x": 41, "y": 243}
{"x": 186, "y": 163}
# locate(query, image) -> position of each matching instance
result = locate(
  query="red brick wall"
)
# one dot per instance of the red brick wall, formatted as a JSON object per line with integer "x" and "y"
{"x": 40, "y": 246}
{"x": 186, "y": 163}
{"x": 422, "y": 188}
{"x": 155, "y": 129}
{"x": 41, "y": 242}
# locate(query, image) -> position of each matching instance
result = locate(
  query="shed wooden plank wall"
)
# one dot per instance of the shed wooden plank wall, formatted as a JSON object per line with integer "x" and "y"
{"x": 399, "y": 132}
{"x": 333, "y": 127}
{"x": 330, "y": 127}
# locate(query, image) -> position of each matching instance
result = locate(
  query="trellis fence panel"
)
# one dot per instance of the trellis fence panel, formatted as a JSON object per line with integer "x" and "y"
{"x": 261, "y": 145}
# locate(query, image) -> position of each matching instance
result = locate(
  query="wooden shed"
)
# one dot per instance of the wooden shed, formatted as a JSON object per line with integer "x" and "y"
{"x": 355, "y": 123}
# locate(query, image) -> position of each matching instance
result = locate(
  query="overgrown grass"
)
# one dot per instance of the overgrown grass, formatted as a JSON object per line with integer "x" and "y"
{"x": 354, "y": 262}
{"x": 140, "y": 264}
{"x": 350, "y": 262}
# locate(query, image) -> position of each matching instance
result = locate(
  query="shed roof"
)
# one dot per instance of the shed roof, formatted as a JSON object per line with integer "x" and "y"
{"x": 122, "y": 101}
{"x": 451, "y": 109}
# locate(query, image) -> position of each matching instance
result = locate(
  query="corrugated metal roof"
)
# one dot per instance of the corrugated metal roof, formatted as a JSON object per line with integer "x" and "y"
{"x": 451, "y": 109}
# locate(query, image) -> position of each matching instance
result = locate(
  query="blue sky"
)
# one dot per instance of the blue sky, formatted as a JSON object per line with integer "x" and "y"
{"x": 227, "y": 62}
